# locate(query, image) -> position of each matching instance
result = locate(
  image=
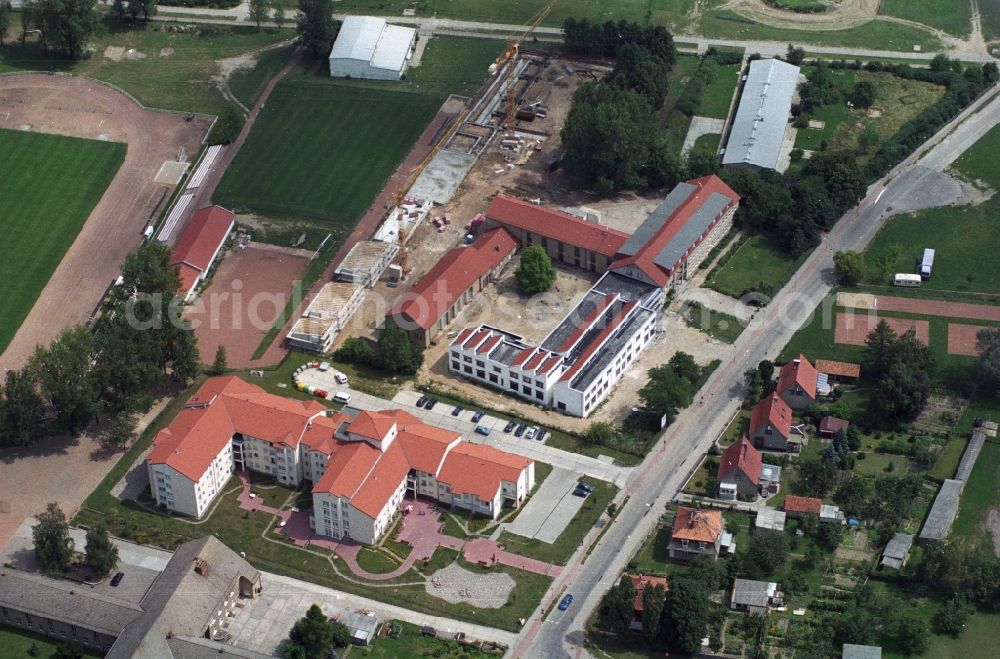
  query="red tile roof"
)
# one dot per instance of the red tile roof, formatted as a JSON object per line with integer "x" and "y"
{"x": 842, "y": 369}
{"x": 373, "y": 425}
{"x": 202, "y": 237}
{"x": 794, "y": 504}
{"x": 697, "y": 525}
{"x": 772, "y": 410}
{"x": 478, "y": 469}
{"x": 588, "y": 320}
{"x": 557, "y": 225}
{"x": 644, "y": 259}
{"x": 489, "y": 345}
{"x": 463, "y": 336}
{"x": 454, "y": 274}
{"x": 798, "y": 371}
{"x": 831, "y": 424}
{"x": 743, "y": 456}
{"x": 639, "y": 582}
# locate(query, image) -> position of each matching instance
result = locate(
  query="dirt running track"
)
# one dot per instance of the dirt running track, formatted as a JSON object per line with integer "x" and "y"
{"x": 81, "y": 107}
{"x": 853, "y": 329}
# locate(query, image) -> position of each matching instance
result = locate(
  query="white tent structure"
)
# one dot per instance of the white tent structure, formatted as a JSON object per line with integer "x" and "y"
{"x": 368, "y": 47}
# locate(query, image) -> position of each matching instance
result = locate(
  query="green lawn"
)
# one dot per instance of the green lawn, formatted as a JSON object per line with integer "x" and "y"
{"x": 966, "y": 240}
{"x": 375, "y": 561}
{"x": 752, "y": 262}
{"x": 18, "y": 643}
{"x": 180, "y": 80}
{"x": 980, "y": 494}
{"x": 727, "y": 24}
{"x": 980, "y": 161}
{"x": 948, "y": 458}
{"x": 411, "y": 643}
{"x": 562, "y": 549}
{"x": 978, "y": 639}
{"x": 989, "y": 11}
{"x": 947, "y": 15}
{"x": 708, "y": 143}
{"x": 48, "y": 187}
{"x": 718, "y": 95}
{"x": 720, "y": 326}
{"x": 247, "y": 84}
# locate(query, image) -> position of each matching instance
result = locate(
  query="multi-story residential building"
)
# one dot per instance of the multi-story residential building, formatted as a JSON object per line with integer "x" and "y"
{"x": 361, "y": 467}
{"x": 327, "y": 314}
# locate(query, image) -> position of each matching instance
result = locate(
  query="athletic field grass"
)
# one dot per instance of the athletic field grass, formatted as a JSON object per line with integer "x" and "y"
{"x": 948, "y": 15}
{"x": 323, "y": 152}
{"x": 322, "y": 149}
{"x": 48, "y": 186}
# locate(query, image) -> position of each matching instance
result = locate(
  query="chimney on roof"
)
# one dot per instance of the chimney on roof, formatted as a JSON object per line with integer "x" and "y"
{"x": 201, "y": 567}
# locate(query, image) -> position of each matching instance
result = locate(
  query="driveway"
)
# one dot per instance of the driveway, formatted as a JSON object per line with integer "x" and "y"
{"x": 550, "y": 509}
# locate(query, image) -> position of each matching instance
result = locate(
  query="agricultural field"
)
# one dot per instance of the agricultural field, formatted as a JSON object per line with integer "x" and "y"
{"x": 322, "y": 149}
{"x": 48, "y": 187}
{"x": 947, "y": 15}
{"x": 161, "y": 69}
{"x": 753, "y": 263}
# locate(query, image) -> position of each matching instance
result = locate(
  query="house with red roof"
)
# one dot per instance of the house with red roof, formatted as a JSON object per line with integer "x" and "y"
{"x": 796, "y": 506}
{"x": 698, "y": 533}
{"x": 360, "y": 467}
{"x": 433, "y": 302}
{"x": 742, "y": 472}
{"x": 771, "y": 425}
{"x": 797, "y": 383}
{"x": 641, "y": 582}
{"x": 199, "y": 246}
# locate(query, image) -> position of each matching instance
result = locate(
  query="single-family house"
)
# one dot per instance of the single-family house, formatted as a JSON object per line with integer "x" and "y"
{"x": 797, "y": 507}
{"x": 829, "y": 425}
{"x": 797, "y": 383}
{"x": 698, "y": 533}
{"x": 771, "y": 425}
{"x": 752, "y": 596}
{"x": 640, "y": 582}
{"x": 769, "y": 519}
{"x": 742, "y": 472}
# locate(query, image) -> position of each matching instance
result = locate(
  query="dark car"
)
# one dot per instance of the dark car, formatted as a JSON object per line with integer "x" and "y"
{"x": 580, "y": 492}
{"x": 422, "y": 401}
{"x": 431, "y": 402}
{"x": 565, "y": 602}
{"x": 482, "y": 430}
{"x": 510, "y": 426}
{"x": 458, "y": 410}
{"x": 117, "y": 579}
{"x": 520, "y": 429}
{"x": 542, "y": 434}
{"x": 583, "y": 486}
{"x": 477, "y": 416}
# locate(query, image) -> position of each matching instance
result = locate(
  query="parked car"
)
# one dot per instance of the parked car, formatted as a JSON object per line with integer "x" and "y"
{"x": 532, "y": 431}
{"x": 565, "y": 602}
{"x": 585, "y": 487}
{"x": 340, "y": 378}
{"x": 422, "y": 401}
{"x": 117, "y": 579}
{"x": 520, "y": 429}
{"x": 477, "y": 416}
{"x": 580, "y": 492}
{"x": 510, "y": 426}
{"x": 542, "y": 434}
{"x": 482, "y": 430}
{"x": 431, "y": 402}
{"x": 458, "y": 410}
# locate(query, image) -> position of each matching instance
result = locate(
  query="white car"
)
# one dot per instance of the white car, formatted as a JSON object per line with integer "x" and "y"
{"x": 531, "y": 432}
{"x": 340, "y": 378}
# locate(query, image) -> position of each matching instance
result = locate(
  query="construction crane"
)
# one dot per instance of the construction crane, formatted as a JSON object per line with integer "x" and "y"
{"x": 509, "y": 55}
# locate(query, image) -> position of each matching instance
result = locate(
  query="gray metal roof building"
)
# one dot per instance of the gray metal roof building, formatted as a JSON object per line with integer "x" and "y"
{"x": 368, "y": 47}
{"x": 852, "y": 651}
{"x": 942, "y": 514}
{"x": 897, "y": 551}
{"x": 762, "y": 117}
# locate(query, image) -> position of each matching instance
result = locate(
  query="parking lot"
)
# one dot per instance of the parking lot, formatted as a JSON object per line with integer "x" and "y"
{"x": 441, "y": 417}
{"x": 550, "y": 509}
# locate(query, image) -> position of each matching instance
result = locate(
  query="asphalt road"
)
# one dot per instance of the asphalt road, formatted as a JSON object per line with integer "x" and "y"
{"x": 660, "y": 477}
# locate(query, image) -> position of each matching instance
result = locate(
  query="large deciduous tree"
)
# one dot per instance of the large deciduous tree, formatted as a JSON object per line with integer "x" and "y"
{"x": 66, "y": 378}
{"x": 850, "y": 267}
{"x": 314, "y": 636}
{"x": 316, "y": 26}
{"x": 988, "y": 347}
{"x": 637, "y": 69}
{"x": 685, "y": 616}
{"x": 618, "y": 606}
{"x": 53, "y": 546}
{"x": 67, "y": 24}
{"x": 535, "y": 273}
{"x": 101, "y": 553}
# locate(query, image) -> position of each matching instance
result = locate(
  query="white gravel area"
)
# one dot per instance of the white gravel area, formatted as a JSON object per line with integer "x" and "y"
{"x": 457, "y": 585}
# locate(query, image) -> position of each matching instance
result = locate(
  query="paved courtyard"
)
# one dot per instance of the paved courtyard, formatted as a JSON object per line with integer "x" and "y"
{"x": 550, "y": 509}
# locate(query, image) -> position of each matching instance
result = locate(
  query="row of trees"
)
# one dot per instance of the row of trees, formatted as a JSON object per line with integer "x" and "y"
{"x": 64, "y": 25}
{"x": 394, "y": 352}
{"x": 316, "y": 26}
{"x": 138, "y": 347}
{"x": 55, "y": 550}
{"x": 677, "y": 621}
{"x": 581, "y": 37}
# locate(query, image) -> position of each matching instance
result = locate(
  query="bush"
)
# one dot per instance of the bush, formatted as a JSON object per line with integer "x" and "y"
{"x": 227, "y": 128}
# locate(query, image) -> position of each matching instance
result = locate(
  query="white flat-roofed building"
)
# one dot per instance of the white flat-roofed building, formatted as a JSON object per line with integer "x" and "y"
{"x": 368, "y": 47}
{"x": 762, "y": 116}
{"x": 326, "y": 315}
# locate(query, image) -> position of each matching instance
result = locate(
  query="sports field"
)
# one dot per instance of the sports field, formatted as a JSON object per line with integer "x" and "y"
{"x": 48, "y": 186}
{"x": 323, "y": 152}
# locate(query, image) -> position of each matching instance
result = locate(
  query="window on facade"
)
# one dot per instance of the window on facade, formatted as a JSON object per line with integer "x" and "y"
{"x": 454, "y": 366}
{"x": 480, "y": 363}
{"x": 493, "y": 378}
{"x": 526, "y": 389}
{"x": 468, "y": 369}
{"x": 540, "y": 395}
{"x": 481, "y": 374}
